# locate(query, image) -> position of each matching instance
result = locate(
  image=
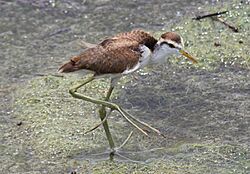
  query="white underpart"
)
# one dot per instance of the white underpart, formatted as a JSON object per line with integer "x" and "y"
{"x": 164, "y": 51}
{"x": 143, "y": 61}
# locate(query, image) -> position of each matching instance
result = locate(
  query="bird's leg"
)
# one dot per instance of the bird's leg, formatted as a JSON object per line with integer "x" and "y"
{"x": 102, "y": 111}
{"x": 75, "y": 94}
{"x": 112, "y": 106}
{"x": 103, "y": 115}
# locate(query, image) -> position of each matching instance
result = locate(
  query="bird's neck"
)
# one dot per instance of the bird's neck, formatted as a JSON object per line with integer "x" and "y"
{"x": 161, "y": 54}
{"x": 158, "y": 56}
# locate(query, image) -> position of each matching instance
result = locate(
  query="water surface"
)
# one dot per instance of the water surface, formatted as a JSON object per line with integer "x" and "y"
{"x": 187, "y": 105}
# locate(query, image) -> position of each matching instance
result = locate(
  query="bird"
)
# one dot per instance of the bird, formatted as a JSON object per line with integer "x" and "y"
{"x": 120, "y": 55}
{"x": 126, "y": 52}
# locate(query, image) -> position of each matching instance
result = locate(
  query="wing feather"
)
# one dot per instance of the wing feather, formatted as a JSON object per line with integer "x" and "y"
{"x": 113, "y": 55}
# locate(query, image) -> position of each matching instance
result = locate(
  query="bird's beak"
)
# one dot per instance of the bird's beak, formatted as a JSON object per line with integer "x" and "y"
{"x": 186, "y": 54}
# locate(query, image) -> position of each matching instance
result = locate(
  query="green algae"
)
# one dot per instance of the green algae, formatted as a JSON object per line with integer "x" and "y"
{"x": 53, "y": 126}
{"x": 51, "y": 114}
{"x": 53, "y": 123}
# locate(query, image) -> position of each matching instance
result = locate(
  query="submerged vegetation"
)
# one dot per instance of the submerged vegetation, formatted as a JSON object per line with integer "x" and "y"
{"x": 202, "y": 110}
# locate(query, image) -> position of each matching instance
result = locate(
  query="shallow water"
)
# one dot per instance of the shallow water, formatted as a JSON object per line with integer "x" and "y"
{"x": 37, "y": 36}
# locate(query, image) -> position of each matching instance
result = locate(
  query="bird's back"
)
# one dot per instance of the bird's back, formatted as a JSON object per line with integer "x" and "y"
{"x": 112, "y": 55}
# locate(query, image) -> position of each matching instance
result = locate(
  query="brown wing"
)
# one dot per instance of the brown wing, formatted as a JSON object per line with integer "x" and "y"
{"x": 111, "y": 56}
{"x": 140, "y": 36}
{"x": 114, "y": 55}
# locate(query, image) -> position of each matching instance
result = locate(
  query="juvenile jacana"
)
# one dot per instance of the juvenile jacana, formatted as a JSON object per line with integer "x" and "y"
{"x": 121, "y": 55}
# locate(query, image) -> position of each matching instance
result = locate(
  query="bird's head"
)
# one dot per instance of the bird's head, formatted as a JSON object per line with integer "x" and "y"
{"x": 170, "y": 43}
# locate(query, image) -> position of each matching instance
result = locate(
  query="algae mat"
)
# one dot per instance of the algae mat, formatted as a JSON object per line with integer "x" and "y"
{"x": 202, "y": 110}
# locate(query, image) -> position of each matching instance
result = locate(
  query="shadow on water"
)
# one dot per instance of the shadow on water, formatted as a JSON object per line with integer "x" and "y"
{"x": 199, "y": 104}
{"x": 188, "y": 105}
